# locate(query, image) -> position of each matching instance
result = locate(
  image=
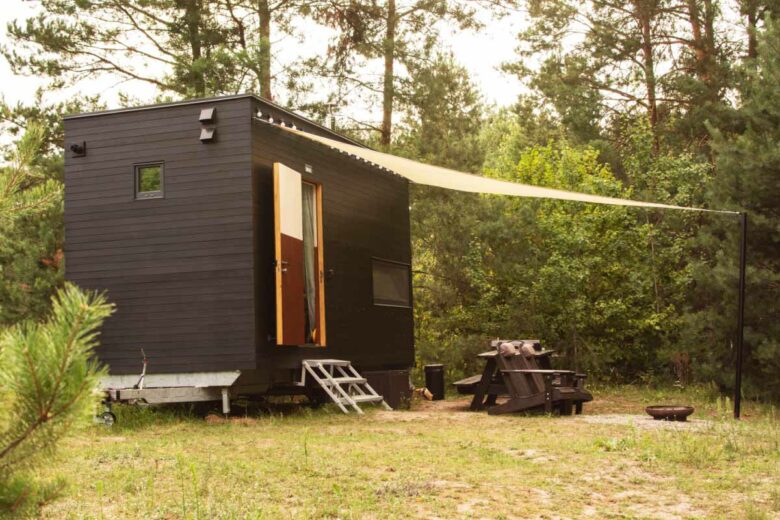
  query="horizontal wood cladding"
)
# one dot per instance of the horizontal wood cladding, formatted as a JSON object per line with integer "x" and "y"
{"x": 162, "y": 236}
{"x": 152, "y": 152}
{"x": 184, "y": 225}
{"x": 136, "y": 251}
{"x": 365, "y": 215}
{"x": 179, "y": 268}
{"x": 129, "y": 117}
{"x": 185, "y": 189}
{"x": 158, "y": 209}
{"x": 147, "y": 218}
{"x": 95, "y": 181}
{"x": 175, "y": 126}
{"x": 165, "y": 266}
{"x": 192, "y": 273}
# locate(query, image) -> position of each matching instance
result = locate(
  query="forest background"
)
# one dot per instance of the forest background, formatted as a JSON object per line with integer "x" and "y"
{"x": 672, "y": 101}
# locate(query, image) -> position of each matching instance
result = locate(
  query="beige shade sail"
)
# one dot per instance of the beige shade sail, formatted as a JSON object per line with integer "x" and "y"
{"x": 430, "y": 175}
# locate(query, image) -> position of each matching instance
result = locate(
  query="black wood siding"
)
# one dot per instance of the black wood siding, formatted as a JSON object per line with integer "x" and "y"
{"x": 192, "y": 273}
{"x": 365, "y": 215}
{"x": 179, "y": 269}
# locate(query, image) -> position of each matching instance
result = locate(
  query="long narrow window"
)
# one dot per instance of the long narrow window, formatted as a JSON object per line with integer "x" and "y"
{"x": 391, "y": 283}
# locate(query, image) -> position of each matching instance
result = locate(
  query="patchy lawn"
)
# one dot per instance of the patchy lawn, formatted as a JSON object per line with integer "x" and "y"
{"x": 434, "y": 461}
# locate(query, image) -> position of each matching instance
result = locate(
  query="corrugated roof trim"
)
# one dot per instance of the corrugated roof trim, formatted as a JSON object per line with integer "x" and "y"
{"x": 282, "y": 125}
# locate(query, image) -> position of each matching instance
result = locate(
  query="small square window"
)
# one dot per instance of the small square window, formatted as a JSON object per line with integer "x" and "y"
{"x": 391, "y": 283}
{"x": 148, "y": 181}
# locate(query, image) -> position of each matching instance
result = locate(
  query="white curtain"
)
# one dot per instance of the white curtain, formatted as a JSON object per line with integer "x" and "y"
{"x": 309, "y": 260}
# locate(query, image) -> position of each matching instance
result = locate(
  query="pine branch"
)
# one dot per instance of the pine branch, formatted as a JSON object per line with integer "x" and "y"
{"x": 66, "y": 358}
{"x": 61, "y": 347}
{"x": 33, "y": 373}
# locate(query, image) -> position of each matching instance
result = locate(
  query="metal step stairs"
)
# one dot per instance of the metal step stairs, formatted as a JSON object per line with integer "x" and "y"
{"x": 343, "y": 384}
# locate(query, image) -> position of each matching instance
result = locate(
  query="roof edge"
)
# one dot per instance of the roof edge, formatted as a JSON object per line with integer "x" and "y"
{"x": 198, "y": 101}
{"x": 153, "y": 106}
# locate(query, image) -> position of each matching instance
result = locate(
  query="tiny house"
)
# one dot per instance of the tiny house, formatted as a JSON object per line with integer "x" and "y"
{"x": 235, "y": 249}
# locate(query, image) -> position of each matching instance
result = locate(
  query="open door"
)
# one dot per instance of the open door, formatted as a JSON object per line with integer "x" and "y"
{"x": 300, "y": 296}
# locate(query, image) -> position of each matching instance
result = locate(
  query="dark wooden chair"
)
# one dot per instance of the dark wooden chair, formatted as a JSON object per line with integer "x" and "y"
{"x": 528, "y": 381}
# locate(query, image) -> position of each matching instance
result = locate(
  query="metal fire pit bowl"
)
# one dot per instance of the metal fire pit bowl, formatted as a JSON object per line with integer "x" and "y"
{"x": 670, "y": 412}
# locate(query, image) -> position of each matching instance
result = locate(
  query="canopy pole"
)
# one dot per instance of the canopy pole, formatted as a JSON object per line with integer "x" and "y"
{"x": 740, "y": 315}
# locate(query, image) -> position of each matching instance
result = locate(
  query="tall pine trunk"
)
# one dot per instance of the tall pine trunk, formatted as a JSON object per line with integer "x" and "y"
{"x": 701, "y": 17}
{"x": 264, "y": 22}
{"x": 193, "y": 16}
{"x": 644, "y": 15}
{"x": 698, "y": 39}
{"x": 750, "y": 9}
{"x": 388, "y": 91}
{"x": 708, "y": 65}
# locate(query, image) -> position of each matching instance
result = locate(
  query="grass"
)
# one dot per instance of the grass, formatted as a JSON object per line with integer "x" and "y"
{"x": 434, "y": 461}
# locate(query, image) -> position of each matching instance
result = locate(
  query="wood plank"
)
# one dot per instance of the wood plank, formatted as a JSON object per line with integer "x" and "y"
{"x": 189, "y": 189}
{"x": 186, "y": 226}
{"x": 149, "y": 221}
{"x": 322, "y": 323}
{"x": 229, "y": 261}
{"x": 227, "y": 108}
{"x": 166, "y": 262}
{"x": 158, "y": 126}
{"x": 164, "y": 207}
{"x": 185, "y": 154}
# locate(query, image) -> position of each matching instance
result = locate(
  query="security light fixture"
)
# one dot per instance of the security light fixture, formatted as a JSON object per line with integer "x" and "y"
{"x": 78, "y": 149}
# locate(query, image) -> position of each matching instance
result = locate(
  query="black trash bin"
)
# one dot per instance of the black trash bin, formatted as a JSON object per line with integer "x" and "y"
{"x": 434, "y": 381}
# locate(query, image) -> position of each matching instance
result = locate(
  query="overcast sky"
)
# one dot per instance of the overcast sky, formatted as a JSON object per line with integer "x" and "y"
{"x": 480, "y": 53}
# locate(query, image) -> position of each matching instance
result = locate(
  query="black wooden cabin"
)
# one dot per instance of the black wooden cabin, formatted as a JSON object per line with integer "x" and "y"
{"x": 230, "y": 244}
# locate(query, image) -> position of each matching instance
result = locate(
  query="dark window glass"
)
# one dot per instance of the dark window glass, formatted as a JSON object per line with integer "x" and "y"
{"x": 391, "y": 283}
{"x": 148, "y": 181}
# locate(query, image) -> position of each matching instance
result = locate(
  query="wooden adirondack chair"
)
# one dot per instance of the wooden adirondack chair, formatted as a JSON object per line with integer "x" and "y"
{"x": 567, "y": 387}
{"x": 490, "y": 383}
{"x": 519, "y": 376}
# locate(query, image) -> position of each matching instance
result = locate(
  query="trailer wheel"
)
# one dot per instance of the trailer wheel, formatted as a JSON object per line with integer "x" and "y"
{"x": 108, "y": 418}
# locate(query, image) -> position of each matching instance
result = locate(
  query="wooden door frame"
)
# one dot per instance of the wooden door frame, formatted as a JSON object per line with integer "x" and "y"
{"x": 320, "y": 259}
{"x": 278, "y": 269}
{"x": 277, "y": 256}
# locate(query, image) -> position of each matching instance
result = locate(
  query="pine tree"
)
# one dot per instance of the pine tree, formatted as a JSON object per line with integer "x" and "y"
{"x": 602, "y": 61}
{"x": 401, "y": 34}
{"x": 747, "y": 178}
{"x": 185, "y": 48}
{"x": 30, "y": 229}
{"x": 47, "y": 378}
